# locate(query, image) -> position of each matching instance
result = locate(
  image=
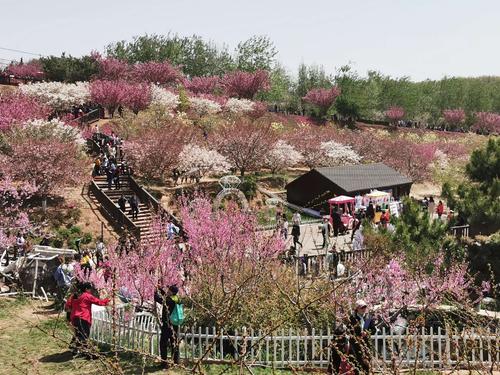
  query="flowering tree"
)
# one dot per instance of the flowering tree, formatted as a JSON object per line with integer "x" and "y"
{"x": 281, "y": 156}
{"x": 454, "y": 117}
{"x": 338, "y": 154}
{"x": 203, "y": 85}
{"x": 259, "y": 109}
{"x": 50, "y": 164}
{"x": 203, "y": 106}
{"x": 30, "y": 70}
{"x": 161, "y": 73}
{"x": 155, "y": 152}
{"x": 57, "y": 95}
{"x": 12, "y": 218}
{"x": 394, "y": 114}
{"x": 245, "y": 144}
{"x": 136, "y": 97}
{"x": 487, "y": 123}
{"x": 239, "y": 106}
{"x": 15, "y": 109}
{"x": 323, "y": 99}
{"x": 112, "y": 69}
{"x": 109, "y": 94}
{"x": 202, "y": 159}
{"x": 244, "y": 84}
{"x": 45, "y": 129}
{"x": 164, "y": 98}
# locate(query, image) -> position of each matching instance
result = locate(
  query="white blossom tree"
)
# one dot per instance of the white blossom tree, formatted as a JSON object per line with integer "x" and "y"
{"x": 203, "y": 106}
{"x": 239, "y": 106}
{"x": 164, "y": 98}
{"x": 57, "y": 95}
{"x": 282, "y": 155}
{"x": 338, "y": 154}
{"x": 194, "y": 157}
{"x": 53, "y": 129}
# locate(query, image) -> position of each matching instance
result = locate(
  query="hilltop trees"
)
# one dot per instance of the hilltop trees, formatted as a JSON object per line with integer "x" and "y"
{"x": 322, "y": 99}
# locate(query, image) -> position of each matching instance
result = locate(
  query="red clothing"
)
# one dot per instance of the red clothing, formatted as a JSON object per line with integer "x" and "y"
{"x": 81, "y": 307}
{"x": 440, "y": 209}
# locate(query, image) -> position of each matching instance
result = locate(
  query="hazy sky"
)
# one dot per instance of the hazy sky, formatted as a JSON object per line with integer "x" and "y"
{"x": 417, "y": 38}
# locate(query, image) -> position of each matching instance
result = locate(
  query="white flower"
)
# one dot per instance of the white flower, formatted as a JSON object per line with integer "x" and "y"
{"x": 204, "y": 106}
{"x": 281, "y": 156}
{"x": 57, "y": 95}
{"x": 165, "y": 98}
{"x": 234, "y": 105}
{"x": 54, "y": 128}
{"x": 339, "y": 154}
{"x": 203, "y": 159}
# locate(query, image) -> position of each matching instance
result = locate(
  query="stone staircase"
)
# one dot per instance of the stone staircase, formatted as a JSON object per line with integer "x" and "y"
{"x": 146, "y": 213}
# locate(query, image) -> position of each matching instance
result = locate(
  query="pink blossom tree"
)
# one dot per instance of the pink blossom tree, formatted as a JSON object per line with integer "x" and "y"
{"x": 112, "y": 69}
{"x": 16, "y": 109}
{"x": 136, "y": 97}
{"x": 394, "y": 114}
{"x": 322, "y": 99}
{"x": 50, "y": 164}
{"x": 487, "y": 123}
{"x": 244, "y": 84}
{"x": 30, "y": 70}
{"x": 203, "y": 85}
{"x": 454, "y": 117}
{"x": 155, "y": 152}
{"x": 109, "y": 94}
{"x": 245, "y": 144}
{"x": 162, "y": 73}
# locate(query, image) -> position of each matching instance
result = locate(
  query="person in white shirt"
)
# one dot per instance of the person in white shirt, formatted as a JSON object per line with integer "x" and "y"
{"x": 296, "y": 218}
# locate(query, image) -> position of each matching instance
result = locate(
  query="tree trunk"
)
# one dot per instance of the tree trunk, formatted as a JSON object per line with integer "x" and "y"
{"x": 44, "y": 204}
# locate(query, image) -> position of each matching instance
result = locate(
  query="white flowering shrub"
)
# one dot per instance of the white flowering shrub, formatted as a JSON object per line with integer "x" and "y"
{"x": 57, "y": 95}
{"x": 282, "y": 156}
{"x": 204, "y": 106}
{"x": 164, "y": 98}
{"x": 339, "y": 154}
{"x": 205, "y": 160}
{"x": 44, "y": 129}
{"x": 238, "y": 106}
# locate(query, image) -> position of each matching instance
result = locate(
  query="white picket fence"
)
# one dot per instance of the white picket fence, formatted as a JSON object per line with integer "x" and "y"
{"x": 434, "y": 349}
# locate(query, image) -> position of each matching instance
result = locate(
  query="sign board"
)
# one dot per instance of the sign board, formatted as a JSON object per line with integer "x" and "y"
{"x": 394, "y": 209}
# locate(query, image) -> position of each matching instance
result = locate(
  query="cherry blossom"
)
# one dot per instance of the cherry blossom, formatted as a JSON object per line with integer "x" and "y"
{"x": 338, "y": 154}
{"x": 203, "y": 85}
{"x": 59, "y": 96}
{"x": 202, "y": 106}
{"x": 194, "y": 157}
{"x": 112, "y": 69}
{"x": 109, "y": 94}
{"x": 322, "y": 98}
{"x": 29, "y": 70}
{"x": 394, "y": 114}
{"x": 454, "y": 117}
{"x": 45, "y": 129}
{"x": 18, "y": 108}
{"x": 136, "y": 97}
{"x": 164, "y": 98}
{"x": 162, "y": 73}
{"x": 487, "y": 123}
{"x": 281, "y": 156}
{"x": 239, "y": 106}
{"x": 244, "y": 84}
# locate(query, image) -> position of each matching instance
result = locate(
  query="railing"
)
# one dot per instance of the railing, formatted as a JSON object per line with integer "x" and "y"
{"x": 90, "y": 117}
{"x": 316, "y": 265}
{"x": 146, "y": 197}
{"x": 114, "y": 213}
{"x": 460, "y": 231}
{"x": 434, "y": 348}
{"x": 303, "y": 222}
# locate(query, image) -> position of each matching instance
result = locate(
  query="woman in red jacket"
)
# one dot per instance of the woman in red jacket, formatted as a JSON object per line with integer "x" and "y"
{"x": 80, "y": 305}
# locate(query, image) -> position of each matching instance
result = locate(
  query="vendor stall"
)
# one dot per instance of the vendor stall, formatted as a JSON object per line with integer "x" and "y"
{"x": 347, "y": 205}
{"x": 378, "y": 197}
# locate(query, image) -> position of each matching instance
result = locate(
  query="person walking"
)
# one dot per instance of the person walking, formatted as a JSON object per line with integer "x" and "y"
{"x": 337, "y": 222}
{"x": 361, "y": 326}
{"x": 134, "y": 206}
{"x": 325, "y": 232}
{"x": 122, "y": 203}
{"x": 284, "y": 227}
{"x": 80, "y": 307}
{"x": 63, "y": 282}
{"x": 440, "y": 209}
{"x": 168, "y": 335}
{"x": 296, "y": 236}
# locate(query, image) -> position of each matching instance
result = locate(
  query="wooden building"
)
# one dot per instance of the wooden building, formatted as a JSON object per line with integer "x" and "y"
{"x": 314, "y": 188}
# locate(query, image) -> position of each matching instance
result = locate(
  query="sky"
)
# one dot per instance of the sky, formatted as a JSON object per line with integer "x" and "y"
{"x": 420, "y": 39}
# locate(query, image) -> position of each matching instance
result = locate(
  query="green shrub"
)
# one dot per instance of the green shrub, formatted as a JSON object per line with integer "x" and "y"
{"x": 249, "y": 187}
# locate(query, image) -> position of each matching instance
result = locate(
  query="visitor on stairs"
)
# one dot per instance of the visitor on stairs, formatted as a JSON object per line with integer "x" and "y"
{"x": 122, "y": 201}
{"x": 134, "y": 206}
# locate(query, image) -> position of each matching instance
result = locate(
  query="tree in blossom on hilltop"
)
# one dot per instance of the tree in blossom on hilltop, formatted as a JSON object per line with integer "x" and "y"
{"x": 322, "y": 99}
{"x": 245, "y": 85}
{"x": 454, "y": 117}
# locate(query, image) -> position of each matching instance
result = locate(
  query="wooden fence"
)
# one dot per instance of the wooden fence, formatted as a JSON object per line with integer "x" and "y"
{"x": 426, "y": 348}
